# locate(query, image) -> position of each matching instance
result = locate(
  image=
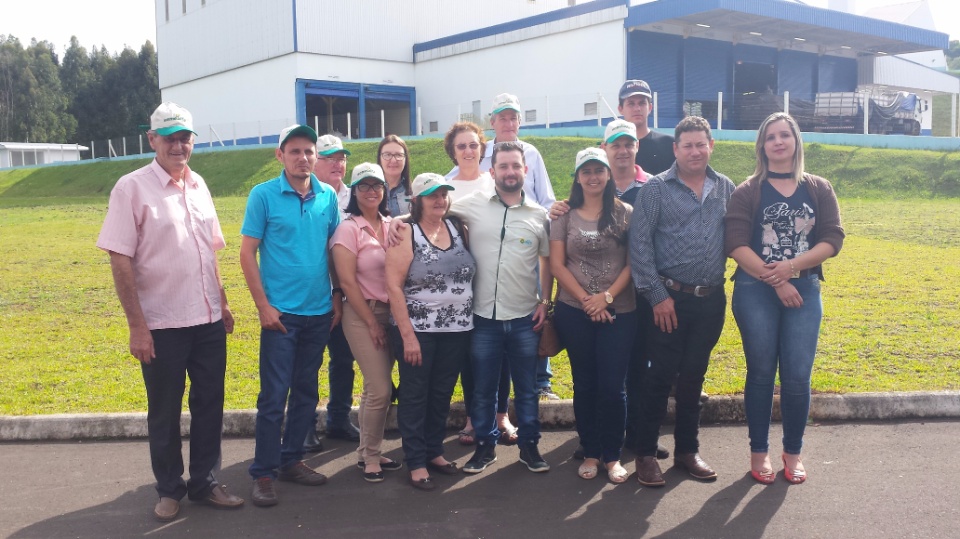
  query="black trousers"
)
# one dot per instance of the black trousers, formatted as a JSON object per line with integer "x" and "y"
{"x": 200, "y": 352}
{"x": 682, "y": 355}
{"x": 637, "y": 370}
{"x": 427, "y": 389}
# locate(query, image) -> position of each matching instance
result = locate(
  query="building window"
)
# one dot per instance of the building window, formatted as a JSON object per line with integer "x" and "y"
{"x": 166, "y": 10}
{"x": 530, "y": 115}
{"x": 434, "y": 127}
{"x": 184, "y": 7}
{"x": 590, "y": 109}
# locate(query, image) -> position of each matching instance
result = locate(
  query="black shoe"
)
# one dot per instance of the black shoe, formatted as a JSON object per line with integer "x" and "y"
{"x": 348, "y": 432}
{"x": 389, "y": 466}
{"x": 312, "y": 444}
{"x": 485, "y": 455}
{"x": 373, "y": 477}
{"x": 579, "y": 453}
{"x": 530, "y": 455}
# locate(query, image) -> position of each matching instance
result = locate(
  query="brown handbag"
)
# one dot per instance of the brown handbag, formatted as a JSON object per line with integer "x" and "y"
{"x": 549, "y": 338}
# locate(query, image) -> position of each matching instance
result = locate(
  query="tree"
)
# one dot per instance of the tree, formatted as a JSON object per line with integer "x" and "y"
{"x": 953, "y": 56}
{"x": 32, "y": 104}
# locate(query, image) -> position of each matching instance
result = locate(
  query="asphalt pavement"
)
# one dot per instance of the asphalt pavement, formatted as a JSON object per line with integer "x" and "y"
{"x": 866, "y": 479}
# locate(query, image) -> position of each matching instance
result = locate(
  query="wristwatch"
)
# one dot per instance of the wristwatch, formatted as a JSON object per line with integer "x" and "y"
{"x": 608, "y": 297}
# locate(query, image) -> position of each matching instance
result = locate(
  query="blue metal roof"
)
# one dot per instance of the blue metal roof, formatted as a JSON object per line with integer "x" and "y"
{"x": 898, "y": 38}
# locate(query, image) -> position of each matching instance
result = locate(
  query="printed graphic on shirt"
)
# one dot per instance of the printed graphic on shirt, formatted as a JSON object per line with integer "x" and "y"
{"x": 597, "y": 266}
{"x": 786, "y": 231}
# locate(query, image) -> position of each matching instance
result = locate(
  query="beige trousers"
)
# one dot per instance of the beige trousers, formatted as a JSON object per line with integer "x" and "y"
{"x": 376, "y": 366}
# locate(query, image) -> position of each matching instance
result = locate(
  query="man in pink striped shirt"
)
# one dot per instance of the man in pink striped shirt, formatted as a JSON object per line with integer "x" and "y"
{"x": 162, "y": 234}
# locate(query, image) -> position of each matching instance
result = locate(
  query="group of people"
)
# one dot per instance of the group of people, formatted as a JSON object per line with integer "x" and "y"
{"x": 453, "y": 277}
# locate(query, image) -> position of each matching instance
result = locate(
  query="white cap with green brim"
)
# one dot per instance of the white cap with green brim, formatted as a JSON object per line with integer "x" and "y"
{"x": 619, "y": 128}
{"x": 364, "y": 171}
{"x": 590, "y": 154}
{"x": 428, "y": 182}
{"x": 329, "y": 145}
{"x": 505, "y": 102}
{"x": 170, "y": 118}
{"x": 297, "y": 130}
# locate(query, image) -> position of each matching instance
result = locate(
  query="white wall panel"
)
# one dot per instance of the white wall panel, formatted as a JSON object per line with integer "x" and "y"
{"x": 259, "y": 99}
{"x": 221, "y": 35}
{"x": 360, "y": 70}
{"x": 558, "y": 73}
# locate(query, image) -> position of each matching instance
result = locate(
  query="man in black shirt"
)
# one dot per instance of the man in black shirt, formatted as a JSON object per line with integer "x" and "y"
{"x": 655, "y": 150}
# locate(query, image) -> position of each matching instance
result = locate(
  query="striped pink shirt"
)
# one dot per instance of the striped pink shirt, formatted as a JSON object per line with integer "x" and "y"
{"x": 172, "y": 234}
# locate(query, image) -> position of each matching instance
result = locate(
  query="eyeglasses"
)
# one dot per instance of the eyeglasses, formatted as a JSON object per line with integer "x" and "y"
{"x": 340, "y": 160}
{"x": 392, "y": 156}
{"x": 463, "y": 146}
{"x": 364, "y": 187}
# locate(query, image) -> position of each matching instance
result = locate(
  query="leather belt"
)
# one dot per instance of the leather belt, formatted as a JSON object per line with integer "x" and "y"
{"x": 698, "y": 291}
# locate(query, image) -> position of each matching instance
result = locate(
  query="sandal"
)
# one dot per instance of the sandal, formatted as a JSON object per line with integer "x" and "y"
{"x": 588, "y": 470}
{"x": 794, "y": 475}
{"x": 765, "y": 475}
{"x": 467, "y": 437}
{"x": 617, "y": 474}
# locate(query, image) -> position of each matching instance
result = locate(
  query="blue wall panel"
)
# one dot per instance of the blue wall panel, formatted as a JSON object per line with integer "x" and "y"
{"x": 706, "y": 69}
{"x": 798, "y": 74}
{"x": 837, "y": 74}
{"x": 657, "y": 59}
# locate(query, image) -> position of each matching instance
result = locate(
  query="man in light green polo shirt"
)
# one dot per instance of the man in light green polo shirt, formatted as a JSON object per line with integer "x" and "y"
{"x": 508, "y": 237}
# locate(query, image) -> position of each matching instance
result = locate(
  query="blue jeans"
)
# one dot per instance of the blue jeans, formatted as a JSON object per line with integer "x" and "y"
{"x": 341, "y": 376}
{"x": 491, "y": 340}
{"x": 288, "y": 379}
{"x": 427, "y": 388}
{"x": 599, "y": 355}
{"x": 776, "y": 336}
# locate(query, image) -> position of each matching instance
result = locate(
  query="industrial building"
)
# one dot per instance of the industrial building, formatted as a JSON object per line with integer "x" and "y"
{"x": 360, "y": 68}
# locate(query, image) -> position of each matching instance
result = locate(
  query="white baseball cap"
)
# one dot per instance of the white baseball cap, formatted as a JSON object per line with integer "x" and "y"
{"x": 428, "y": 182}
{"x": 364, "y": 171}
{"x": 329, "y": 144}
{"x": 170, "y": 118}
{"x": 590, "y": 154}
{"x": 504, "y": 102}
{"x": 619, "y": 128}
{"x": 297, "y": 130}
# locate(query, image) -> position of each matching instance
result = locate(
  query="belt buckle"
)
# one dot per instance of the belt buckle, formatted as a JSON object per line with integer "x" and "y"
{"x": 696, "y": 291}
{"x": 668, "y": 282}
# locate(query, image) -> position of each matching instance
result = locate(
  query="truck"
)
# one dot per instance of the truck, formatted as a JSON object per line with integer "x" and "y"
{"x": 887, "y": 113}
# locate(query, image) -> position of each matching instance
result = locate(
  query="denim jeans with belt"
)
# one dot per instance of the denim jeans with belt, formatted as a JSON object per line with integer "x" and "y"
{"x": 682, "y": 355}
{"x": 599, "y": 355}
{"x": 491, "y": 340}
{"x": 288, "y": 379}
{"x": 777, "y": 336}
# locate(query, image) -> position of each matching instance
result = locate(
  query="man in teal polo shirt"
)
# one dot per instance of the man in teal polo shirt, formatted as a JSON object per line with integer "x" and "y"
{"x": 288, "y": 221}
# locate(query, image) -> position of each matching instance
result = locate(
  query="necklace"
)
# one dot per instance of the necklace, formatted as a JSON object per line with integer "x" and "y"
{"x": 432, "y": 236}
{"x": 779, "y": 175}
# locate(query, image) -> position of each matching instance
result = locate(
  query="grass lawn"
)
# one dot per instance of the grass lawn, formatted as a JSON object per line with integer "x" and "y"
{"x": 891, "y": 320}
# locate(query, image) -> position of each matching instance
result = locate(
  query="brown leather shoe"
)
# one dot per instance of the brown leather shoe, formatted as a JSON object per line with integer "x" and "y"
{"x": 302, "y": 474}
{"x": 166, "y": 509}
{"x": 648, "y": 472}
{"x": 695, "y": 466}
{"x": 221, "y": 499}
{"x": 263, "y": 494}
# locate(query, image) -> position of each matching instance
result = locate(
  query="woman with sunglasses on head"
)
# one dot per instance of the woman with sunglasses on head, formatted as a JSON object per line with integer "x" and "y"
{"x": 781, "y": 225}
{"x": 358, "y": 247}
{"x": 394, "y": 158}
{"x": 595, "y": 314}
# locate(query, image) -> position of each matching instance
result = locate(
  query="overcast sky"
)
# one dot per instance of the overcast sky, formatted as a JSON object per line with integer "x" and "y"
{"x": 116, "y": 23}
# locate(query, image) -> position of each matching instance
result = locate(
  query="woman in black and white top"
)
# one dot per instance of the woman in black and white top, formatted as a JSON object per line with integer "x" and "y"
{"x": 430, "y": 286}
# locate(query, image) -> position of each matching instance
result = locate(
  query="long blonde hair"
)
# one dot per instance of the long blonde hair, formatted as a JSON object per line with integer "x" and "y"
{"x": 763, "y": 163}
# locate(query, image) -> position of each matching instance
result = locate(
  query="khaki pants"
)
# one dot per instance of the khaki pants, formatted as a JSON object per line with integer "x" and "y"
{"x": 376, "y": 366}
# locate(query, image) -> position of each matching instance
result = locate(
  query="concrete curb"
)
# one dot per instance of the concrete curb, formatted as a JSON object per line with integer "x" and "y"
{"x": 553, "y": 414}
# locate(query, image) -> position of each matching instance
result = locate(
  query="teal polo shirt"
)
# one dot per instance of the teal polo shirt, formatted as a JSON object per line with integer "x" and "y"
{"x": 293, "y": 234}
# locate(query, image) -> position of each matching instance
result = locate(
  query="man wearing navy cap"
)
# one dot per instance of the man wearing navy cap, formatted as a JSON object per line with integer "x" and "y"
{"x": 288, "y": 222}
{"x": 655, "y": 150}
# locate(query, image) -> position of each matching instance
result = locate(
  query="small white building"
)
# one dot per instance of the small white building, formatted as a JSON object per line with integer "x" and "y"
{"x": 16, "y": 154}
